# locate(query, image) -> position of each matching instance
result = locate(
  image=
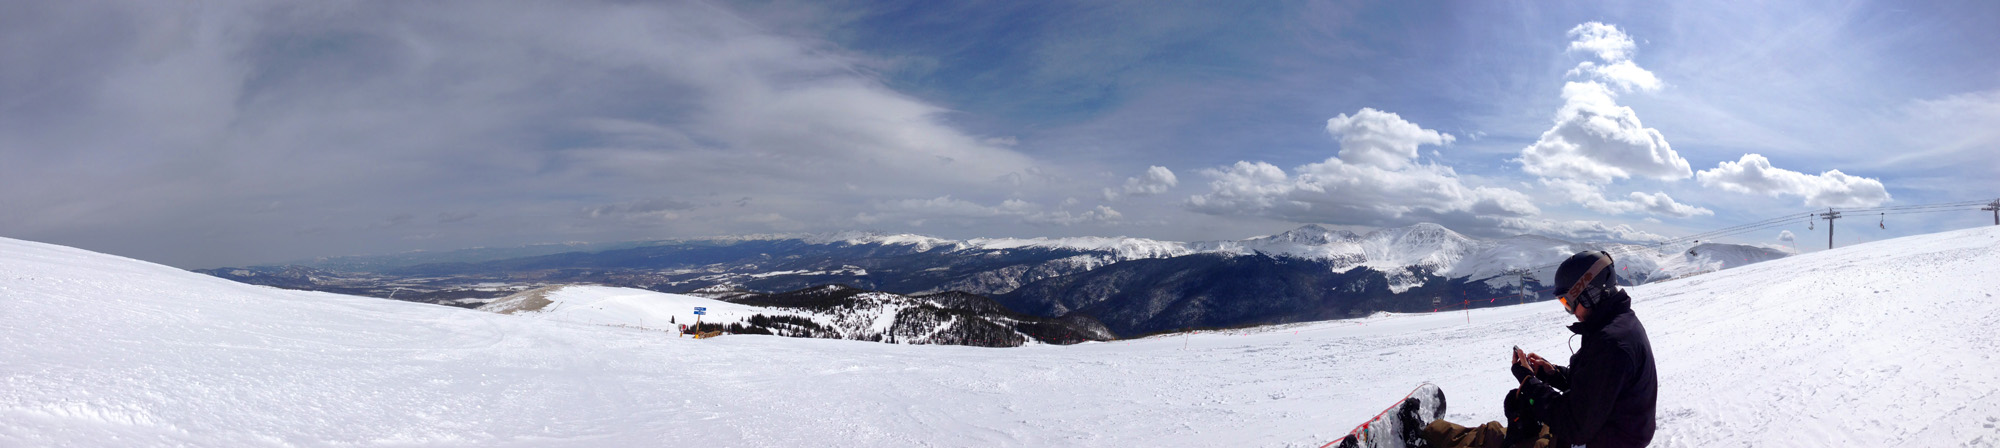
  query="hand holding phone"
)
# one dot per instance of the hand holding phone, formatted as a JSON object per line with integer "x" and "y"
{"x": 1539, "y": 365}
{"x": 1520, "y": 366}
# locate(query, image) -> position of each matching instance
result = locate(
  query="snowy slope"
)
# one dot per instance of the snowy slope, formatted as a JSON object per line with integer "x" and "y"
{"x": 1308, "y": 241}
{"x": 628, "y": 307}
{"x": 1881, "y": 344}
{"x": 859, "y": 315}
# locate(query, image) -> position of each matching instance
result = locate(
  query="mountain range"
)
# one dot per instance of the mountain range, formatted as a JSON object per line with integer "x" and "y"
{"x": 1132, "y": 286}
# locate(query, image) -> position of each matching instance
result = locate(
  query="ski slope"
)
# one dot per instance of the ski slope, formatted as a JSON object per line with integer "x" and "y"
{"x": 627, "y": 307}
{"x": 1889, "y": 343}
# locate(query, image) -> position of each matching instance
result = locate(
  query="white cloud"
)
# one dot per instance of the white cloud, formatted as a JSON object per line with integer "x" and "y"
{"x": 1610, "y": 44}
{"x": 1661, "y": 204}
{"x": 1606, "y": 41}
{"x": 1337, "y": 192}
{"x": 1373, "y": 182}
{"x": 1245, "y": 186}
{"x": 1754, "y": 174}
{"x": 1592, "y": 197}
{"x": 1156, "y": 181}
{"x": 1596, "y": 140}
{"x": 1786, "y": 236}
{"x": 1373, "y": 137}
{"x": 1624, "y": 74}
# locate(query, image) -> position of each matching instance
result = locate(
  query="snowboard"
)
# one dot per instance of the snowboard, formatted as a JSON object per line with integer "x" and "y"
{"x": 1400, "y": 422}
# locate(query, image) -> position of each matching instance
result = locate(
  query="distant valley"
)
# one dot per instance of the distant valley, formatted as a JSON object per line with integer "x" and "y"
{"x": 1132, "y": 286}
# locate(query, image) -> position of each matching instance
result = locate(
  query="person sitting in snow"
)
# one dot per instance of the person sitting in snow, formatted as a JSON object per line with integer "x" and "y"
{"x": 1607, "y": 395}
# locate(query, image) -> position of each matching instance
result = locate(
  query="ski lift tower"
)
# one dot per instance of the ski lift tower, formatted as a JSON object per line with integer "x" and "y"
{"x": 1995, "y": 208}
{"x": 1829, "y": 216}
{"x": 1524, "y": 275}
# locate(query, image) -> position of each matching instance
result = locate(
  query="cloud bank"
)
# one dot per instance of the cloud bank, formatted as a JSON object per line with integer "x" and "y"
{"x": 240, "y": 127}
{"x": 1754, "y": 174}
{"x": 1376, "y": 182}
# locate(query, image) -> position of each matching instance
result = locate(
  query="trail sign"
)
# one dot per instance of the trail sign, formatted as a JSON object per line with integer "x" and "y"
{"x": 700, "y": 312}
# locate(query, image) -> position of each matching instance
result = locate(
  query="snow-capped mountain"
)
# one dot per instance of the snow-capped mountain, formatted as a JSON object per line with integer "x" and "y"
{"x": 1123, "y": 248}
{"x": 1310, "y": 241}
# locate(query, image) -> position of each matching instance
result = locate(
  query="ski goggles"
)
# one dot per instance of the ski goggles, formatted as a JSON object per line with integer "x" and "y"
{"x": 1568, "y": 298}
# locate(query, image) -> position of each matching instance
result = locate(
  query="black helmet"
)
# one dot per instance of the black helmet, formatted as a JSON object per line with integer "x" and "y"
{"x": 1584, "y": 278}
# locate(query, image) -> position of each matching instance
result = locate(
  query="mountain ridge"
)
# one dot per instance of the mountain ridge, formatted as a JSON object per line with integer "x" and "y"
{"x": 1415, "y": 267}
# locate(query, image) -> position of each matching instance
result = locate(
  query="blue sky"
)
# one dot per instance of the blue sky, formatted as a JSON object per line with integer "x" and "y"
{"x": 220, "y": 133}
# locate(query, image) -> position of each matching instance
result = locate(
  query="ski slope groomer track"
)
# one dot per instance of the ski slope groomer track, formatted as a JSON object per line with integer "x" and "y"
{"x": 1883, "y": 344}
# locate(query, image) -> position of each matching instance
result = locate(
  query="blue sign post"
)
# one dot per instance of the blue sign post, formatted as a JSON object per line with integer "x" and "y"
{"x": 698, "y": 312}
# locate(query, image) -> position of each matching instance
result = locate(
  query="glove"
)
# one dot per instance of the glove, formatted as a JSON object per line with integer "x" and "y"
{"x": 1521, "y": 374}
{"x": 1521, "y": 422}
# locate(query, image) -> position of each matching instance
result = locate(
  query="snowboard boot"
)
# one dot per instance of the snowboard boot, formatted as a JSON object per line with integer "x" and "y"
{"x": 1522, "y": 426}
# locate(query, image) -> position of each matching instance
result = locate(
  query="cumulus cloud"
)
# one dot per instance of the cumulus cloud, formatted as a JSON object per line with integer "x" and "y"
{"x": 1607, "y": 42}
{"x": 1336, "y": 192}
{"x": 1625, "y": 75}
{"x": 1156, "y": 180}
{"x": 1377, "y": 182}
{"x": 1786, "y": 236}
{"x": 1592, "y": 197}
{"x": 1597, "y": 140}
{"x": 1384, "y": 139}
{"x": 1754, "y": 174}
{"x": 1380, "y": 184}
{"x": 1594, "y": 138}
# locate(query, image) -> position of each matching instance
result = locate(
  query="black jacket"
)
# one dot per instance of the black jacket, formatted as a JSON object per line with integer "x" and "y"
{"x": 1606, "y": 397}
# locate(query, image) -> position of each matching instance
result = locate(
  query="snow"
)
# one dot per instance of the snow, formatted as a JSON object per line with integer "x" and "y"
{"x": 1880, "y": 344}
{"x": 1126, "y": 248}
{"x": 636, "y": 308}
{"x": 920, "y": 243}
{"x": 1498, "y": 257}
